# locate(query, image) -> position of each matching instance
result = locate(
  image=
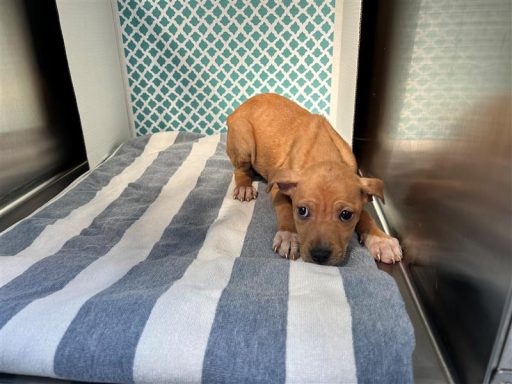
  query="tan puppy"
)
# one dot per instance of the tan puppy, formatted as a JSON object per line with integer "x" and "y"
{"x": 311, "y": 173}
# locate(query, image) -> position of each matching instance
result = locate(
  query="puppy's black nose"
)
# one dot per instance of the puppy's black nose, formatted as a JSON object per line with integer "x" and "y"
{"x": 320, "y": 255}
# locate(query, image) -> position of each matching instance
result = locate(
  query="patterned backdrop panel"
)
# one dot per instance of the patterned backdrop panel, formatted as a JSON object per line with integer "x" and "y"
{"x": 191, "y": 63}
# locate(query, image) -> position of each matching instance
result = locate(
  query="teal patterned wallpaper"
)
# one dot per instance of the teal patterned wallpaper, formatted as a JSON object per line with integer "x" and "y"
{"x": 191, "y": 63}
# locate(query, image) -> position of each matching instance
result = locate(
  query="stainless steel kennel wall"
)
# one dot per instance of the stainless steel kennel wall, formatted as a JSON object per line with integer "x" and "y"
{"x": 40, "y": 134}
{"x": 433, "y": 120}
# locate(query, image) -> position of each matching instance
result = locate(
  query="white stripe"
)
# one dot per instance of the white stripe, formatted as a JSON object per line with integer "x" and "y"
{"x": 319, "y": 347}
{"x": 35, "y": 332}
{"x": 54, "y": 236}
{"x": 181, "y": 320}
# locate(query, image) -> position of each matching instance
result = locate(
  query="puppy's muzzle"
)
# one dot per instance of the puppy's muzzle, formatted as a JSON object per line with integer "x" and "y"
{"x": 320, "y": 255}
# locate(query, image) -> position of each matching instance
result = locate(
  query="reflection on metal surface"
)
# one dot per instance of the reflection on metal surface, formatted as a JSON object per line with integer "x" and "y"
{"x": 26, "y": 155}
{"x": 437, "y": 129}
{"x": 27, "y": 149}
{"x": 39, "y": 126}
{"x": 424, "y": 364}
{"x": 454, "y": 217}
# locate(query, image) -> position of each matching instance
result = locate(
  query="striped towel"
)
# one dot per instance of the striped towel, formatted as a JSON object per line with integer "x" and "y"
{"x": 147, "y": 270}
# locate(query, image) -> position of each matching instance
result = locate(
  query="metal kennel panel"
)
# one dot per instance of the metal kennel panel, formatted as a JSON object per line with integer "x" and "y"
{"x": 433, "y": 120}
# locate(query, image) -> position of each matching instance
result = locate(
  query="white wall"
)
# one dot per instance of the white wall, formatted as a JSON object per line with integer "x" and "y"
{"x": 344, "y": 67}
{"x": 90, "y": 35}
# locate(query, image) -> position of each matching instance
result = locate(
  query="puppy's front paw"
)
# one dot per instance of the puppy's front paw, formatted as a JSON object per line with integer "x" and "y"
{"x": 286, "y": 244}
{"x": 244, "y": 193}
{"x": 385, "y": 249}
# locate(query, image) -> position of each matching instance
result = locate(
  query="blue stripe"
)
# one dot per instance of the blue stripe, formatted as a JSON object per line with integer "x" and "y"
{"x": 24, "y": 234}
{"x": 114, "y": 319}
{"x": 378, "y": 317}
{"x": 247, "y": 342}
{"x": 54, "y": 272}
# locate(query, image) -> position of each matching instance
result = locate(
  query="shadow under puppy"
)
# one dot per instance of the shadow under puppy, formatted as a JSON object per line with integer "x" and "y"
{"x": 312, "y": 176}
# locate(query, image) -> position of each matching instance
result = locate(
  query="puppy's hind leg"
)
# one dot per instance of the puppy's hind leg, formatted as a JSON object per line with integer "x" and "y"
{"x": 240, "y": 149}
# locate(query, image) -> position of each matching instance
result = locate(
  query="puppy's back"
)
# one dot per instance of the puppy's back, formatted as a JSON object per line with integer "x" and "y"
{"x": 269, "y": 110}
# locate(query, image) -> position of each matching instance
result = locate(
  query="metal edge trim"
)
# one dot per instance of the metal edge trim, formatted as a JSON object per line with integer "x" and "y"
{"x": 500, "y": 341}
{"x": 11, "y": 206}
{"x": 25, "y": 197}
{"x": 417, "y": 303}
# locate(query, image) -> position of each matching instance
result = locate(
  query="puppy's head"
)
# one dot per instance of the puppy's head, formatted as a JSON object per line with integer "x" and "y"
{"x": 327, "y": 201}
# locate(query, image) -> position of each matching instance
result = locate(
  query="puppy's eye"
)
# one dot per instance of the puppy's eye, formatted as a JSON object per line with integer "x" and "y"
{"x": 303, "y": 212}
{"x": 346, "y": 215}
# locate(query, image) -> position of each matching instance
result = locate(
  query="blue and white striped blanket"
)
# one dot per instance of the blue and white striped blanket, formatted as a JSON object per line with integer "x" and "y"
{"x": 147, "y": 270}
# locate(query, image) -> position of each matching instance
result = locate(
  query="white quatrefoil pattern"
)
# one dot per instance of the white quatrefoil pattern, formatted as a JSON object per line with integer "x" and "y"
{"x": 191, "y": 63}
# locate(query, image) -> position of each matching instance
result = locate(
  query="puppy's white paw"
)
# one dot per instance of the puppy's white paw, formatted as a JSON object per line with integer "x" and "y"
{"x": 286, "y": 244}
{"x": 385, "y": 249}
{"x": 243, "y": 193}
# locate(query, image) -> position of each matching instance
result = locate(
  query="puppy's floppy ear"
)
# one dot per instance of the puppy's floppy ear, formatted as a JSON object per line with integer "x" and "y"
{"x": 372, "y": 187}
{"x": 285, "y": 179}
